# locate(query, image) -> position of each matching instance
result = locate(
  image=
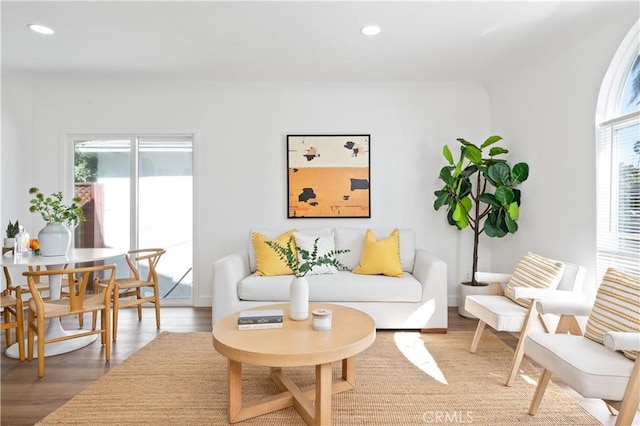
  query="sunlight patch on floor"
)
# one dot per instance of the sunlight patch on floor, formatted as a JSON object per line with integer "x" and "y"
{"x": 412, "y": 347}
{"x": 529, "y": 380}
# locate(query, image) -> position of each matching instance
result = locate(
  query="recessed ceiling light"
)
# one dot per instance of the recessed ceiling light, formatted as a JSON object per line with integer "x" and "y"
{"x": 40, "y": 29}
{"x": 371, "y": 30}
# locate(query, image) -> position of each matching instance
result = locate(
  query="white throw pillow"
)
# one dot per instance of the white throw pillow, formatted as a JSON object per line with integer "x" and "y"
{"x": 325, "y": 245}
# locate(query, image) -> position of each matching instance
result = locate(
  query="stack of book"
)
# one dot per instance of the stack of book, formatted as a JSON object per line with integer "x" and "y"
{"x": 260, "y": 318}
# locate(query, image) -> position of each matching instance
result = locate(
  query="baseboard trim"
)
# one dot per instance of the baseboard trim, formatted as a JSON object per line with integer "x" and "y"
{"x": 433, "y": 330}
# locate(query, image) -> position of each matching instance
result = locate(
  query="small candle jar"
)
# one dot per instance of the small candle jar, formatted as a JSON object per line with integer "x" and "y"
{"x": 321, "y": 319}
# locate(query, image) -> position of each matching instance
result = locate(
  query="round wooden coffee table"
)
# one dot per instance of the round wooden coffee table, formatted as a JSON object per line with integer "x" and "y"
{"x": 295, "y": 344}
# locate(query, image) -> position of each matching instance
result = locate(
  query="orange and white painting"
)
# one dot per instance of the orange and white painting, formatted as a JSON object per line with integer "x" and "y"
{"x": 328, "y": 176}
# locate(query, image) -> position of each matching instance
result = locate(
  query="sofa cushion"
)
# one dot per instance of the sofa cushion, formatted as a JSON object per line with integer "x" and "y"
{"x": 353, "y": 240}
{"x": 380, "y": 256}
{"x": 268, "y": 262}
{"x": 324, "y": 246}
{"x": 616, "y": 307}
{"x": 341, "y": 287}
{"x": 534, "y": 271}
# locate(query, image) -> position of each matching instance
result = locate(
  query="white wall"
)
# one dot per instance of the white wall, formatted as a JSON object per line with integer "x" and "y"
{"x": 15, "y": 150}
{"x": 240, "y": 150}
{"x": 546, "y": 108}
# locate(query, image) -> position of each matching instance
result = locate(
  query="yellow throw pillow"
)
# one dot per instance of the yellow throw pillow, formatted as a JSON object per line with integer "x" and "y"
{"x": 616, "y": 307}
{"x": 267, "y": 260}
{"x": 380, "y": 256}
{"x": 534, "y": 271}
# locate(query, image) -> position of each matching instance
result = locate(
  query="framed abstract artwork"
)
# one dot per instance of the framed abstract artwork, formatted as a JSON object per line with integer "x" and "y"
{"x": 328, "y": 176}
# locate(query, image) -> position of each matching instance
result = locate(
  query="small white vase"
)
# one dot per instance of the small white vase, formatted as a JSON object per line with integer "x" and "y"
{"x": 299, "y": 299}
{"x": 54, "y": 239}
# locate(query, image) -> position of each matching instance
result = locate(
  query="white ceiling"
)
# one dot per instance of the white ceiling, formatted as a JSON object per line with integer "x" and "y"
{"x": 292, "y": 40}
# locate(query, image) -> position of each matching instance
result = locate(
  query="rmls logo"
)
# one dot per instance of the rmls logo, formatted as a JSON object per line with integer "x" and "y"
{"x": 448, "y": 417}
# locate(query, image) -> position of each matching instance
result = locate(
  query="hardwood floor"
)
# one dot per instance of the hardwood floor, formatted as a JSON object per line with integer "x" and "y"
{"x": 25, "y": 399}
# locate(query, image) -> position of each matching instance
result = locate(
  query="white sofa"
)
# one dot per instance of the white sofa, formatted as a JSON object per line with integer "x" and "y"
{"x": 417, "y": 300}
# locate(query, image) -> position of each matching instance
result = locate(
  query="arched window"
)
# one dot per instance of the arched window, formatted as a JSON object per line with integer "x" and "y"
{"x": 618, "y": 161}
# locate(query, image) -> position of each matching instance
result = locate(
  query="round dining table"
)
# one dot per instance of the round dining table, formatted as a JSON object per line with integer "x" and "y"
{"x": 55, "y": 329}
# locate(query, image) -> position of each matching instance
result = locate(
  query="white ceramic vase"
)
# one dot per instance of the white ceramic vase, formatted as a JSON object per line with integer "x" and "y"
{"x": 54, "y": 239}
{"x": 299, "y": 299}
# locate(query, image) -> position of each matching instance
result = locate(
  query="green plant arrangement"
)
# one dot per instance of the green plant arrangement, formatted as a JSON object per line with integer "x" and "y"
{"x": 13, "y": 229}
{"x": 480, "y": 192}
{"x": 299, "y": 267}
{"x": 52, "y": 210}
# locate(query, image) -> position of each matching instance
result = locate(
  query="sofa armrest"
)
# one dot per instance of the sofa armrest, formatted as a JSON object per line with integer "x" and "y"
{"x": 564, "y": 307}
{"x": 492, "y": 277}
{"x": 622, "y": 341}
{"x": 431, "y": 271}
{"x": 227, "y": 272}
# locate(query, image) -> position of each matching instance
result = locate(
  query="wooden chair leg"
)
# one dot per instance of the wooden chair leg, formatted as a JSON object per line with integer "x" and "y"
{"x": 20, "y": 330}
{"x": 116, "y": 302}
{"x": 41, "y": 326}
{"x": 477, "y": 336}
{"x": 532, "y": 314}
{"x": 7, "y": 332}
{"x": 30, "y": 334}
{"x": 106, "y": 334}
{"x": 543, "y": 381}
{"x": 631, "y": 398}
{"x": 156, "y": 302}
{"x": 139, "y": 306}
{"x": 611, "y": 408}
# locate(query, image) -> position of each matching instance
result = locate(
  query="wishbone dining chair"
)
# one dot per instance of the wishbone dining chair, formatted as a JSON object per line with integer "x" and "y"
{"x": 75, "y": 302}
{"x": 127, "y": 291}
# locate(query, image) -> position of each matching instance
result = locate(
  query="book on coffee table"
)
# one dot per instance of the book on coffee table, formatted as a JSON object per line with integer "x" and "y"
{"x": 260, "y": 318}
{"x": 259, "y": 326}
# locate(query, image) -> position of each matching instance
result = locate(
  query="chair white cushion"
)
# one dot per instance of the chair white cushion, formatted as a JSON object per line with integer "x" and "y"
{"x": 586, "y": 366}
{"x": 498, "y": 312}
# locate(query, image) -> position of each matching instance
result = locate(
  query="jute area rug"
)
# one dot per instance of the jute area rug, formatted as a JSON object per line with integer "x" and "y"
{"x": 404, "y": 378}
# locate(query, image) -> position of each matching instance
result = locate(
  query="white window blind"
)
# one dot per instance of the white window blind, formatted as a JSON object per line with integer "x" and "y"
{"x": 618, "y": 195}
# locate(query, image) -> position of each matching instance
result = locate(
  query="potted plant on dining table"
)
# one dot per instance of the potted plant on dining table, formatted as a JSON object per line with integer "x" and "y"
{"x": 55, "y": 238}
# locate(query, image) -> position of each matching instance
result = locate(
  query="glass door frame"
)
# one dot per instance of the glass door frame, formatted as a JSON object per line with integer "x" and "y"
{"x": 69, "y": 139}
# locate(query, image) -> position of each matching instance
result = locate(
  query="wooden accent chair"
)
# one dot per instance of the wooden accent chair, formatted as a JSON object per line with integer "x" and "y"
{"x": 503, "y": 314}
{"x": 12, "y": 307}
{"x": 605, "y": 362}
{"x": 75, "y": 302}
{"x": 131, "y": 287}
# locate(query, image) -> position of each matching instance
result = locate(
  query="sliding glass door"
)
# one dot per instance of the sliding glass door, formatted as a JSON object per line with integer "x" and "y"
{"x": 137, "y": 192}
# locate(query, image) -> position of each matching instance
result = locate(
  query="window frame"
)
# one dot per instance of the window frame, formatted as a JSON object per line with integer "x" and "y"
{"x": 609, "y": 120}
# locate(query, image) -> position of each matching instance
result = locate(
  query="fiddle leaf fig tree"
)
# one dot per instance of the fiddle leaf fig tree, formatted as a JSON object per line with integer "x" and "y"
{"x": 480, "y": 192}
